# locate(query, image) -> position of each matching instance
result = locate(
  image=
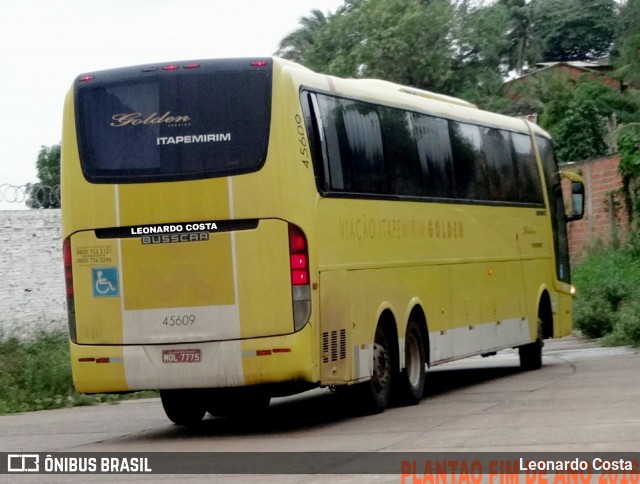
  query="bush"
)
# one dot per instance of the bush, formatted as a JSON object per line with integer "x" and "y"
{"x": 594, "y": 317}
{"x": 608, "y": 300}
{"x": 627, "y": 327}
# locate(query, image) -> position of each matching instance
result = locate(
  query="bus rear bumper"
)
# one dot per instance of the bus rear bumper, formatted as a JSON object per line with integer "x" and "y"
{"x": 218, "y": 364}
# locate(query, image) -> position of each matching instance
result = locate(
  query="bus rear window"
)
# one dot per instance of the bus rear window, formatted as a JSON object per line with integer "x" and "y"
{"x": 135, "y": 127}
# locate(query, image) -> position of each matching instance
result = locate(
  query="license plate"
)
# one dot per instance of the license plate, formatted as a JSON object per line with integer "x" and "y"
{"x": 181, "y": 356}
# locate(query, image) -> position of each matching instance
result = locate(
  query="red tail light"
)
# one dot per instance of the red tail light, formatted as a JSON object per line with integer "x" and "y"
{"x": 68, "y": 274}
{"x": 300, "y": 277}
{"x": 299, "y": 257}
{"x": 68, "y": 278}
{"x": 298, "y": 261}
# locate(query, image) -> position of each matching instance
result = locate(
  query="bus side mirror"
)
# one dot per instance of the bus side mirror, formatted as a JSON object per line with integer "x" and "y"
{"x": 577, "y": 201}
{"x": 577, "y": 195}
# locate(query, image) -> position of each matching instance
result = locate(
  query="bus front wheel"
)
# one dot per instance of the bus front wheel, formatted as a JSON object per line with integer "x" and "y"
{"x": 183, "y": 407}
{"x": 531, "y": 354}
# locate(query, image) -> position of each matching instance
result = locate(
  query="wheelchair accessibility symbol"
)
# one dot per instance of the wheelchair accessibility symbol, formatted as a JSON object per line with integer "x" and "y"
{"x": 105, "y": 281}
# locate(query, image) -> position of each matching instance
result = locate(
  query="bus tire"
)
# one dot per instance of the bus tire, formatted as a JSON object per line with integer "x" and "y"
{"x": 374, "y": 394}
{"x": 412, "y": 379}
{"x": 183, "y": 407}
{"x": 531, "y": 354}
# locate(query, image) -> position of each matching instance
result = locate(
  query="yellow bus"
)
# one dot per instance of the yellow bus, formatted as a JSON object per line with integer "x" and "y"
{"x": 240, "y": 229}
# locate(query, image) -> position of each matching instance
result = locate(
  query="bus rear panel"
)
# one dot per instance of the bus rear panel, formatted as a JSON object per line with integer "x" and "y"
{"x": 168, "y": 287}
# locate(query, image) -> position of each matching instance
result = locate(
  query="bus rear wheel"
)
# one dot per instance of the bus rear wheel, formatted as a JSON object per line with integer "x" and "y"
{"x": 183, "y": 407}
{"x": 412, "y": 379}
{"x": 374, "y": 394}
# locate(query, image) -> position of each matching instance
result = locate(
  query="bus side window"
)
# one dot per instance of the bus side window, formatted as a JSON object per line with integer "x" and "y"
{"x": 528, "y": 176}
{"x": 556, "y": 208}
{"x": 468, "y": 161}
{"x": 317, "y": 143}
{"x": 364, "y": 147}
{"x": 434, "y": 150}
{"x": 328, "y": 111}
{"x": 500, "y": 165}
{"x": 401, "y": 154}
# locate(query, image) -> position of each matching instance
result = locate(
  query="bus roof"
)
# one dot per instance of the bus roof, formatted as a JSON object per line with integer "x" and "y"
{"x": 406, "y": 97}
{"x": 416, "y": 92}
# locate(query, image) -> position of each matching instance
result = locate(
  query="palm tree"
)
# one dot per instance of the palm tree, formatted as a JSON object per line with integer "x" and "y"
{"x": 523, "y": 47}
{"x": 628, "y": 61}
{"x": 295, "y": 45}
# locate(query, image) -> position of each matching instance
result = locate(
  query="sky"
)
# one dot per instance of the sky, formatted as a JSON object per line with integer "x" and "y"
{"x": 45, "y": 44}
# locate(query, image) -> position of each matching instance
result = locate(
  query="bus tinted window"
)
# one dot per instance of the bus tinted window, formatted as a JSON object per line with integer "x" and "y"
{"x": 173, "y": 126}
{"x": 468, "y": 161}
{"x": 371, "y": 149}
{"x": 556, "y": 207}
{"x": 501, "y": 175}
{"x": 332, "y": 172}
{"x": 363, "y": 152}
{"x": 529, "y": 187}
{"x": 434, "y": 149}
{"x": 401, "y": 154}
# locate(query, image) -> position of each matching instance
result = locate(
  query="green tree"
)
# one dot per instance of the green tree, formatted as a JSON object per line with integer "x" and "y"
{"x": 403, "y": 41}
{"x": 298, "y": 43}
{"x": 324, "y": 43}
{"x": 580, "y": 133}
{"x": 624, "y": 104}
{"x": 556, "y": 99}
{"x": 545, "y": 94}
{"x": 480, "y": 42}
{"x": 523, "y": 47}
{"x": 572, "y": 30}
{"x": 628, "y": 23}
{"x": 627, "y": 60}
{"x": 629, "y": 146}
{"x": 335, "y": 48}
{"x": 46, "y": 193}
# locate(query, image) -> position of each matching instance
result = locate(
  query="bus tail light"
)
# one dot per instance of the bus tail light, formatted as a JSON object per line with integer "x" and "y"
{"x": 300, "y": 277}
{"x": 68, "y": 277}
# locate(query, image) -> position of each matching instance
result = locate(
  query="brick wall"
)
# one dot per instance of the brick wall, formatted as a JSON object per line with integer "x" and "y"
{"x": 32, "y": 294}
{"x": 603, "y": 221}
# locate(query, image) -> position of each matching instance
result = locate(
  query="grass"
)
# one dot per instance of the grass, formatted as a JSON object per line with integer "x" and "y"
{"x": 607, "y": 305}
{"x": 36, "y": 375}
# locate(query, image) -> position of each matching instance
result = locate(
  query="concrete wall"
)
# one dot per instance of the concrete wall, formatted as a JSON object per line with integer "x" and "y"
{"x": 32, "y": 288}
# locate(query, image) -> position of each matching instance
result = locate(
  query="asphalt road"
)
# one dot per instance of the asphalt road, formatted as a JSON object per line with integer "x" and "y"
{"x": 585, "y": 398}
